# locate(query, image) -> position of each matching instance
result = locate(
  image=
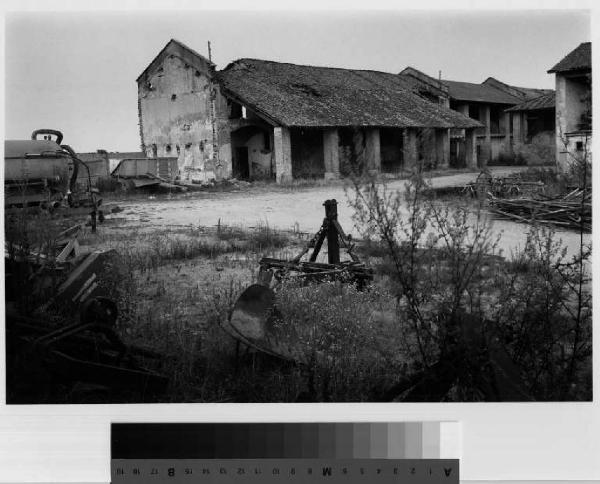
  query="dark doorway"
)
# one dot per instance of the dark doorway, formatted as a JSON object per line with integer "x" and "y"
{"x": 241, "y": 168}
{"x": 392, "y": 156}
{"x": 307, "y": 153}
{"x": 458, "y": 153}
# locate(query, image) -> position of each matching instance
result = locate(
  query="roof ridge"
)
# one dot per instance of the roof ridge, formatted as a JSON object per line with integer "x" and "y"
{"x": 466, "y": 82}
{"x": 306, "y": 65}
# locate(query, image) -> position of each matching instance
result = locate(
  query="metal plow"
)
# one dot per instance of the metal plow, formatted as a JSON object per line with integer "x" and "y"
{"x": 255, "y": 320}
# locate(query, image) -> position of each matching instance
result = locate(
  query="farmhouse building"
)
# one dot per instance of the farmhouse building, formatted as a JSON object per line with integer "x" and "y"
{"x": 504, "y": 130}
{"x": 262, "y": 119}
{"x": 533, "y": 124}
{"x": 573, "y": 76}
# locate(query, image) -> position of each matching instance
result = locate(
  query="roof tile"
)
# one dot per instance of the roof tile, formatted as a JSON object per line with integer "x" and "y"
{"x": 300, "y": 95}
{"x": 547, "y": 101}
{"x": 578, "y": 59}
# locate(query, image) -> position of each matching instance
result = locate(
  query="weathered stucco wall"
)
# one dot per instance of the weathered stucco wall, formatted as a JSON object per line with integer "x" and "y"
{"x": 175, "y": 112}
{"x": 571, "y": 104}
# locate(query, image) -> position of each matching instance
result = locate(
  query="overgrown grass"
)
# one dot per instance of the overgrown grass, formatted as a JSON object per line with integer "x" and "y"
{"x": 177, "y": 286}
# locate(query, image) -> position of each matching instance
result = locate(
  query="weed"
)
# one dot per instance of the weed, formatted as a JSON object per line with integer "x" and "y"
{"x": 437, "y": 260}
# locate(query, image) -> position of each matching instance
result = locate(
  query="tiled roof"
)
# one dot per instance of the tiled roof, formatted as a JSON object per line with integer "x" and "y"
{"x": 530, "y": 93}
{"x": 300, "y": 95}
{"x": 523, "y": 93}
{"x": 547, "y": 101}
{"x": 578, "y": 59}
{"x": 489, "y": 91}
{"x": 467, "y": 91}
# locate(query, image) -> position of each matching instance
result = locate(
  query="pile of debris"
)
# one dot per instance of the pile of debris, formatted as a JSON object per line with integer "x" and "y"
{"x": 148, "y": 172}
{"x": 512, "y": 185}
{"x": 62, "y": 328}
{"x": 571, "y": 211}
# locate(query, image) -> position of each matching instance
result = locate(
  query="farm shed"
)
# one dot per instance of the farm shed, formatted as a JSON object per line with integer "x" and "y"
{"x": 262, "y": 119}
{"x": 489, "y": 102}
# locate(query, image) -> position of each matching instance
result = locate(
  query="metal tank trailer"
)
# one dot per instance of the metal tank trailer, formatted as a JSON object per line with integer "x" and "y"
{"x": 43, "y": 172}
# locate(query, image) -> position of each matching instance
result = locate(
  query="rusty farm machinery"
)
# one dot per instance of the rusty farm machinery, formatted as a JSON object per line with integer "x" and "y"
{"x": 253, "y": 319}
{"x": 42, "y": 172}
{"x": 71, "y": 339}
{"x": 61, "y": 316}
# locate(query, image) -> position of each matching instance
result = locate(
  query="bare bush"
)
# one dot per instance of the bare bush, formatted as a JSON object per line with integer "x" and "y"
{"x": 474, "y": 326}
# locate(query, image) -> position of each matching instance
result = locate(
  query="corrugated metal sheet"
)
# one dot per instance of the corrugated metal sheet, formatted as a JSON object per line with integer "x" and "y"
{"x": 165, "y": 168}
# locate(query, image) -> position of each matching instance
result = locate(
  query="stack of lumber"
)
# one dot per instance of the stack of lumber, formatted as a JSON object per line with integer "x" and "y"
{"x": 571, "y": 211}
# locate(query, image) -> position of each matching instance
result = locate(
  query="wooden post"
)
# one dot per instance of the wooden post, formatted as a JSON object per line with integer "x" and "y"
{"x": 333, "y": 242}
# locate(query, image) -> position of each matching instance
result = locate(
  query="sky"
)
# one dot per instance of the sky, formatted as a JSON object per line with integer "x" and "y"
{"x": 76, "y": 72}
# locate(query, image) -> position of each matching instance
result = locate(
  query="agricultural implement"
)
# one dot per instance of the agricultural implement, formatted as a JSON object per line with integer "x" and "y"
{"x": 254, "y": 319}
{"x": 43, "y": 172}
{"x": 77, "y": 342}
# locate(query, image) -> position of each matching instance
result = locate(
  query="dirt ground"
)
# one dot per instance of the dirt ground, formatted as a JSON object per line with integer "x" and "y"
{"x": 289, "y": 208}
{"x": 281, "y": 208}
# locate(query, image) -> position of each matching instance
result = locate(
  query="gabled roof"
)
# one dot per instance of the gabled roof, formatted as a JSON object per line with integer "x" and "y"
{"x": 419, "y": 80}
{"x": 305, "y": 96}
{"x": 489, "y": 91}
{"x": 467, "y": 91}
{"x": 524, "y": 93}
{"x": 578, "y": 59}
{"x": 174, "y": 47}
{"x": 547, "y": 101}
